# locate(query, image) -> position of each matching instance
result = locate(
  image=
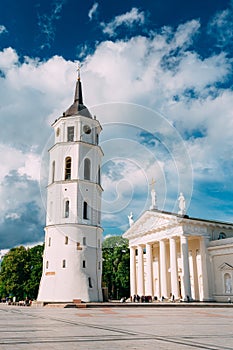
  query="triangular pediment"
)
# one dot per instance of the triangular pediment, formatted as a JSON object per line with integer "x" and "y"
{"x": 151, "y": 221}
{"x": 225, "y": 266}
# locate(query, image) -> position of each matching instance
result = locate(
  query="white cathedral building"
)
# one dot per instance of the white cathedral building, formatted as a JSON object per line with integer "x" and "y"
{"x": 174, "y": 256}
{"x": 72, "y": 260}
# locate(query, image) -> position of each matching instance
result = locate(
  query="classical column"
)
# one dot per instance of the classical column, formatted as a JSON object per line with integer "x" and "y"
{"x": 195, "y": 275}
{"x": 133, "y": 290}
{"x": 173, "y": 268}
{"x": 149, "y": 274}
{"x": 163, "y": 269}
{"x": 185, "y": 267}
{"x": 140, "y": 286}
{"x": 204, "y": 268}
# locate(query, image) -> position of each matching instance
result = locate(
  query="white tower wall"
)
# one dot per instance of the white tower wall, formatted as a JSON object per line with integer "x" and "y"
{"x": 72, "y": 261}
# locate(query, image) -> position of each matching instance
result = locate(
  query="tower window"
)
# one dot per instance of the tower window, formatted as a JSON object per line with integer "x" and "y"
{"x": 63, "y": 264}
{"x": 99, "y": 265}
{"x": 53, "y": 171}
{"x": 68, "y": 168}
{"x": 97, "y": 139}
{"x": 84, "y": 264}
{"x": 87, "y": 169}
{"x": 49, "y": 243}
{"x": 66, "y": 239}
{"x": 70, "y": 133}
{"x": 85, "y": 210}
{"x": 98, "y": 176}
{"x": 47, "y": 264}
{"x": 98, "y": 216}
{"x": 84, "y": 241}
{"x": 89, "y": 282}
{"x": 67, "y": 209}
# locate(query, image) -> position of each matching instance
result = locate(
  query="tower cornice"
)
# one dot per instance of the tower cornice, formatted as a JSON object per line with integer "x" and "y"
{"x": 91, "y": 145}
{"x": 65, "y": 182}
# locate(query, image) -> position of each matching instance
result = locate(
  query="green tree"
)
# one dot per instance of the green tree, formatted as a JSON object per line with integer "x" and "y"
{"x": 35, "y": 260}
{"x": 20, "y": 273}
{"x": 116, "y": 266}
{"x": 14, "y": 273}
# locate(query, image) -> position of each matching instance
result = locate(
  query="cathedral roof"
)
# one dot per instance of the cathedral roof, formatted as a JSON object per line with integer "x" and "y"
{"x": 78, "y": 108}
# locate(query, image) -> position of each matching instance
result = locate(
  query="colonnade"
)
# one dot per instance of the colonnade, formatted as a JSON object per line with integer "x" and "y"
{"x": 171, "y": 280}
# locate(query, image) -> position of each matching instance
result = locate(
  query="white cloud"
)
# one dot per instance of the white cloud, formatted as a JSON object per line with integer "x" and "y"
{"x": 128, "y": 19}
{"x": 93, "y": 11}
{"x": 13, "y": 216}
{"x": 46, "y": 22}
{"x": 8, "y": 58}
{"x": 152, "y": 75}
{"x": 2, "y": 29}
{"x": 31, "y": 166}
{"x": 221, "y": 26}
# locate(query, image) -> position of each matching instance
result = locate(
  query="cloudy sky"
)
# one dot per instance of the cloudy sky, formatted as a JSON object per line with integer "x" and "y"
{"x": 158, "y": 76}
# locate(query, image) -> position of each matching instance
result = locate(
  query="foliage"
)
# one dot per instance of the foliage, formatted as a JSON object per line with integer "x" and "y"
{"x": 116, "y": 262}
{"x": 35, "y": 266}
{"x": 20, "y": 273}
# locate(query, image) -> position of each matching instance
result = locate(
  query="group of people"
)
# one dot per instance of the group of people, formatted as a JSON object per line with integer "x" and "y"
{"x": 12, "y": 301}
{"x": 142, "y": 299}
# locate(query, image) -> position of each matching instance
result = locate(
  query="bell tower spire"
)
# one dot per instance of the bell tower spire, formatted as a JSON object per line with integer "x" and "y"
{"x": 78, "y": 96}
{"x": 78, "y": 108}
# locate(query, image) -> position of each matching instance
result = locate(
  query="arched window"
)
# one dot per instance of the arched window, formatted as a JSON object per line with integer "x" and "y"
{"x": 227, "y": 283}
{"x": 53, "y": 171}
{"x": 68, "y": 168}
{"x": 47, "y": 264}
{"x": 85, "y": 211}
{"x": 66, "y": 239}
{"x": 67, "y": 209}
{"x": 63, "y": 264}
{"x": 221, "y": 235}
{"x": 87, "y": 169}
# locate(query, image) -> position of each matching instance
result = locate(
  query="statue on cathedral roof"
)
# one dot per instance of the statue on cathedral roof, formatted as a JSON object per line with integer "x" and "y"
{"x": 182, "y": 204}
{"x": 131, "y": 220}
{"x": 153, "y": 196}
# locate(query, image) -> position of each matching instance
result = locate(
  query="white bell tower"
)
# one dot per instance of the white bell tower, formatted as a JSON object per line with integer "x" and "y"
{"x": 72, "y": 261}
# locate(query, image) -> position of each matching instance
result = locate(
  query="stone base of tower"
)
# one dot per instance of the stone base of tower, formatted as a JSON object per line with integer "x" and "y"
{"x": 71, "y": 270}
{"x": 67, "y": 292}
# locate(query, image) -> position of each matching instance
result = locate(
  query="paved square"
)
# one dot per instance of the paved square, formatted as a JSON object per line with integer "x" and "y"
{"x": 116, "y": 328}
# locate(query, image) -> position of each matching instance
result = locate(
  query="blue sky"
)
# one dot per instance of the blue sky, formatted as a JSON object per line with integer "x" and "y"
{"x": 158, "y": 76}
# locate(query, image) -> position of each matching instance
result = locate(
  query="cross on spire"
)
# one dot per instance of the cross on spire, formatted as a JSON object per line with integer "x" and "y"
{"x": 78, "y": 70}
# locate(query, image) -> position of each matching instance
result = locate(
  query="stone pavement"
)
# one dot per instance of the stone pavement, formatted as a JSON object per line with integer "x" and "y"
{"x": 168, "y": 328}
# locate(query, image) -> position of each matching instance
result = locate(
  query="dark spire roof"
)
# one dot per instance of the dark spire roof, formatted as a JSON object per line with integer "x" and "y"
{"x": 78, "y": 108}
